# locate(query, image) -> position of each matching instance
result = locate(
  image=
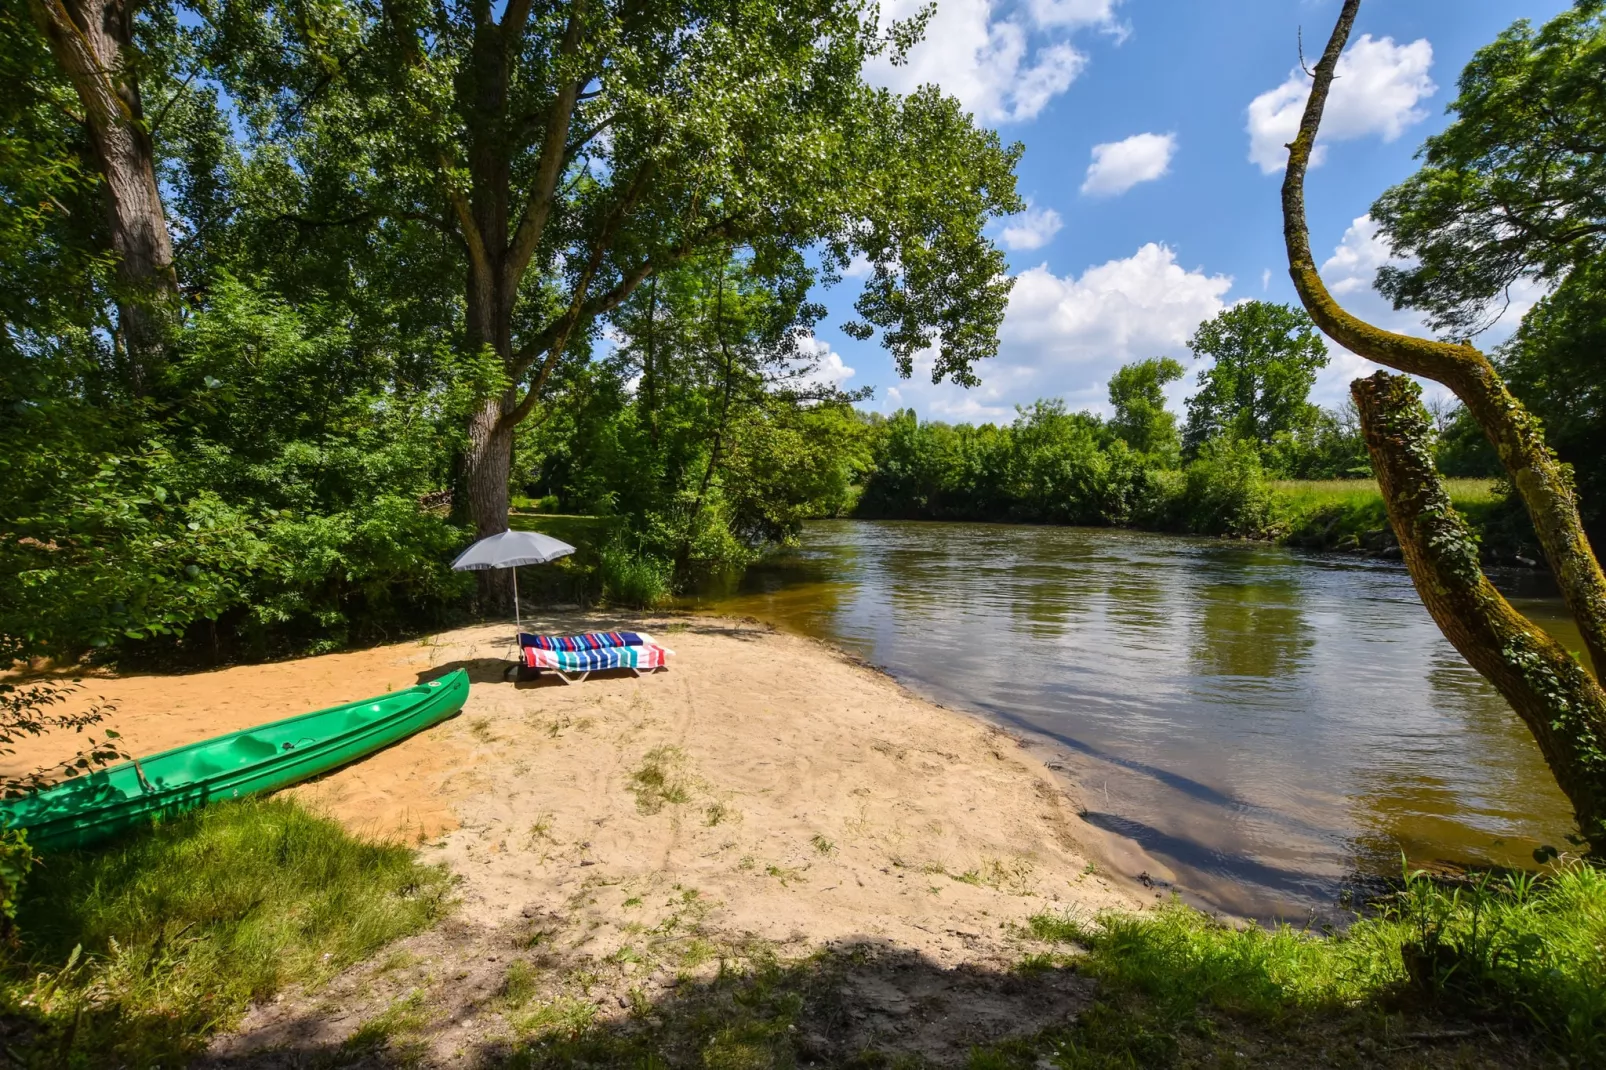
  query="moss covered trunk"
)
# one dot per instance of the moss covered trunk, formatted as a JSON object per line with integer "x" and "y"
{"x": 1560, "y": 702}
{"x": 1555, "y": 697}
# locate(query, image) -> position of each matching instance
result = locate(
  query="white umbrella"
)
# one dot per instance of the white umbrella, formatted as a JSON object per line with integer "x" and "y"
{"x": 511, "y": 549}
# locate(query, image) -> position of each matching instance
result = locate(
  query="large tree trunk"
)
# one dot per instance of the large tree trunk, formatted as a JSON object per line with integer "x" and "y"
{"x": 93, "y": 41}
{"x": 1567, "y": 717}
{"x": 1561, "y": 703}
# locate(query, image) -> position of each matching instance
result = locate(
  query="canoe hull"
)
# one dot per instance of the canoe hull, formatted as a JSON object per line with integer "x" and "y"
{"x": 92, "y": 808}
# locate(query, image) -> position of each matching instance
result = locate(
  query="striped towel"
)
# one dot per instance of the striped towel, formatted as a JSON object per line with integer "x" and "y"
{"x": 588, "y": 641}
{"x": 645, "y": 656}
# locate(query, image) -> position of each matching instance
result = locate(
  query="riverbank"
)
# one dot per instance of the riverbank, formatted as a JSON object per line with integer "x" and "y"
{"x": 766, "y": 799}
{"x": 769, "y": 856}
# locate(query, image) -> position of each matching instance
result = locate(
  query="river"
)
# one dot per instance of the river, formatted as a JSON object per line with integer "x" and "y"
{"x": 1261, "y": 727}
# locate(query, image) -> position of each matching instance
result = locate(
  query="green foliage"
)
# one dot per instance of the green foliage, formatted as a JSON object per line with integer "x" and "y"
{"x": 633, "y": 579}
{"x": 1463, "y": 450}
{"x": 1137, "y": 394}
{"x": 1225, "y": 491}
{"x": 724, "y": 446}
{"x": 1515, "y": 186}
{"x": 1265, "y": 361}
{"x": 1555, "y": 364}
{"x": 1516, "y": 951}
{"x": 16, "y": 862}
{"x": 136, "y": 953}
{"x": 277, "y": 491}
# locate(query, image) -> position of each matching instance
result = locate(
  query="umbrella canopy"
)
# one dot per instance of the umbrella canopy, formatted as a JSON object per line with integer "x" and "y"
{"x": 512, "y": 548}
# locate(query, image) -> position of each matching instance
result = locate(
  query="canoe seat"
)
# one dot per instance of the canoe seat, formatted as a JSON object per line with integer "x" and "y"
{"x": 251, "y": 749}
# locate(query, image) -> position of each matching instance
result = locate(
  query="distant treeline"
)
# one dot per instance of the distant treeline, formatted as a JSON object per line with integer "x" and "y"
{"x": 1249, "y": 423}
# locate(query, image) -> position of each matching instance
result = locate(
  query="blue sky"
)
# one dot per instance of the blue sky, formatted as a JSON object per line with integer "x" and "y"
{"x": 1190, "y": 99}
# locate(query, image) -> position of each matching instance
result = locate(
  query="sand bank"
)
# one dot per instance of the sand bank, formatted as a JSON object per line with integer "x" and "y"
{"x": 765, "y": 788}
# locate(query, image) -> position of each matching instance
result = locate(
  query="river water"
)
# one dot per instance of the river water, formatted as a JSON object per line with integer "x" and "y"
{"x": 1259, "y": 726}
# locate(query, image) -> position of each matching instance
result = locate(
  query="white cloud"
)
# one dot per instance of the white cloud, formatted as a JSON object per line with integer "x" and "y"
{"x": 1376, "y": 90}
{"x": 1063, "y": 336}
{"x": 1350, "y": 273}
{"x": 822, "y": 365}
{"x": 1100, "y": 13}
{"x": 1004, "y": 61}
{"x": 859, "y": 267}
{"x": 1265, "y": 279}
{"x": 1119, "y": 165}
{"x": 1032, "y": 229}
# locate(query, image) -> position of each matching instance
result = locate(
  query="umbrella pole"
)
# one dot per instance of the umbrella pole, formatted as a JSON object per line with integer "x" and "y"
{"x": 518, "y": 624}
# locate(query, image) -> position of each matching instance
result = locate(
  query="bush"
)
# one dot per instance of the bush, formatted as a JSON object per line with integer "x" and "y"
{"x": 633, "y": 579}
{"x": 272, "y": 493}
{"x": 1225, "y": 490}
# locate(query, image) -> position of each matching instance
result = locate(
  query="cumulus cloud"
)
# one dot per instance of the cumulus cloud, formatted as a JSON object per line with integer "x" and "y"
{"x": 824, "y": 365}
{"x": 1350, "y": 273}
{"x": 1064, "y": 335}
{"x": 1004, "y": 62}
{"x": 1119, "y": 165}
{"x": 1377, "y": 89}
{"x": 1032, "y": 229}
{"x": 1100, "y": 13}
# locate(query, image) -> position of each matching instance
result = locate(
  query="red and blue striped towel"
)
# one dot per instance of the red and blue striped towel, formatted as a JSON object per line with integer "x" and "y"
{"x": 644, "y": 656}
{"x": 588, "y": 641}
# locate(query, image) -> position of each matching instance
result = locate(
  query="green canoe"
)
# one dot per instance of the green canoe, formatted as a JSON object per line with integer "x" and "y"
{"x": 89, "y": 808}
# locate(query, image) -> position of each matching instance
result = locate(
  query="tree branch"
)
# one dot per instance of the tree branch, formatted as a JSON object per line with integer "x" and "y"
{"x": 549, "y": 167}
{"x": 1560, "y": 702}
{"x": 473, "y": 240}
{"x": 1545, "y": 487}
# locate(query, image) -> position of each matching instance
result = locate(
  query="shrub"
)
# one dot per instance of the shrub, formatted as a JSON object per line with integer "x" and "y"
{"x": 633, "y": 579}
{"x": 1225, "y": 490}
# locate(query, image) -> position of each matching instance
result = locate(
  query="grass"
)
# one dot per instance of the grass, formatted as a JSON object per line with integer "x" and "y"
{"x": 1304, "y": 495}
{"x": 135, "y": 953}
{"x": 1499, "y": 959}
{"x": 660, "y": 779}
{"x": 1344, "y": 514}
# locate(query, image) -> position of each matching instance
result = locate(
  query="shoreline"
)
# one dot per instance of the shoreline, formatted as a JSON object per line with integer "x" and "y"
{"x": 768, "y": 791}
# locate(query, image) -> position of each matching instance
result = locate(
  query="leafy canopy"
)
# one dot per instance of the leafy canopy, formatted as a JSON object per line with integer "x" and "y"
{"x": 1515, "y": 187}
{"x": 1137, "y": 393}
{"x": 570, "y": 151}
{"x": 1265, "y": 361}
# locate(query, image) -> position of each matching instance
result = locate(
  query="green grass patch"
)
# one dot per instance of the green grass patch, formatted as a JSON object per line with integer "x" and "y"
{"x": 1306, "y": 494}
{"x": 1343, "y": 514}
{"x": 1510, "y": 957}
{"x": 134, "y": 954}
{"x": 660, "y": 779}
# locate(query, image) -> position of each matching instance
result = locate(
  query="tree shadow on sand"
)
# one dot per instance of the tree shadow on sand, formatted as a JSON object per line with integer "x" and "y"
{"x": 864, "y": 1003}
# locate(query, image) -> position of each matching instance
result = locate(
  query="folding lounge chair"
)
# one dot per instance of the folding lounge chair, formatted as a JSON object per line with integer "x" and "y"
{"x": 575, "y": 665}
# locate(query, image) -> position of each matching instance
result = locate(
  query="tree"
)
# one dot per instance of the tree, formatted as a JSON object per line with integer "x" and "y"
{"x": 1515, "y": 187}
{"x": 1556, "y": 363}
{"x": 1137, "y": 393}
{"x": 1556, "y": 697}
{"x": 93, "y": 43}
{"x": 571, "y": 152}
{"x": 1265, "y": 361}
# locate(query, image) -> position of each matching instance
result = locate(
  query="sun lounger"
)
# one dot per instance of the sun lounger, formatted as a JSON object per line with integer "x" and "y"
{"x": 638, "y": 658}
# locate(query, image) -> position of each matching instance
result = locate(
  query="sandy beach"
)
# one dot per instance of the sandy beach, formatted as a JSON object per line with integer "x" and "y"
{"x": 766, "y": 789}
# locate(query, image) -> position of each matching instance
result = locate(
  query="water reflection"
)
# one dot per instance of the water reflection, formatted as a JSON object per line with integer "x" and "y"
{"x": 1263, "y": 724}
